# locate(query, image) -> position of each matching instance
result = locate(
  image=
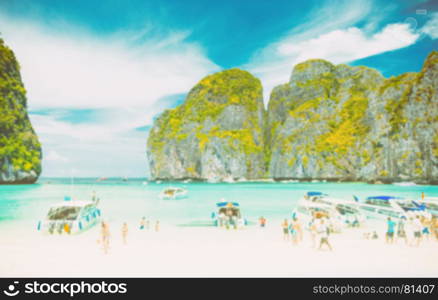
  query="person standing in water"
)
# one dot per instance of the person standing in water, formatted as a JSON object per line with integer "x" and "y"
{"x": 125, "y": 233}
{"x": 285, "y": 227}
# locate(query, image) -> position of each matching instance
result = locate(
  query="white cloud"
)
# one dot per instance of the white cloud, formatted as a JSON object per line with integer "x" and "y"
{"x": 71, "y": 69}
{"x": 331, "y": 36}
{"x": 122, "y": 76}
{"x": 350, "y": 44}
{"x": 431, "y": 27}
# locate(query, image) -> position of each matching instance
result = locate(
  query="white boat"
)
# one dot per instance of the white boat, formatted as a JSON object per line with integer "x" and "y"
{"x": 343, "y": 213}
{"x": 228, "y": 214}
{"x": 307, "y": 211}
{"x": 173, "y": 193}
{"x": 70, "y": 217}
{"x": 382, "y": 207}
{"x": 404, "y": 183}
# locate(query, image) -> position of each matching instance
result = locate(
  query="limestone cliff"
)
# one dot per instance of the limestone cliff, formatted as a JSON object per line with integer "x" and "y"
{"x": 350, "y": 123}
{"x": 20, "y": 150}
{"x": 217, "y": 134}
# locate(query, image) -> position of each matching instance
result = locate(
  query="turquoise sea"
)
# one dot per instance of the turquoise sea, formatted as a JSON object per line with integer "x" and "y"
{"x": 130, "y": 200}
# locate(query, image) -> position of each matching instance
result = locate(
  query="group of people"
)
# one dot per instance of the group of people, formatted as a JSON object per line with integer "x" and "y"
{"x": 319, "y": 229}
{"x": 105, "y": 232}
{"x": 412, "y": 231}
{"x": 145, "y": 224}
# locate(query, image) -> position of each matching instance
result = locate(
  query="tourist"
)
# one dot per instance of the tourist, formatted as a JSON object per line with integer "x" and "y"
{"x": 105, "y": 235}
{"x": 417, "y": 227}
{"x": 285, "y": 227}
{"x": 142, "y": 223}
{"x": 221, "y": 218}
{"x": 323, "y": 232}
{"x": 262, "y": 222}
{"x": 434, "y": 226}
{"x": 125, "y": 233}
{"x": 390, "y": 231}
{"x": 426, "y": 231}
{"x": 401, "y": 231}
{"x": 299, "y": 229}
{"x": 313, "y": 231}
{"x": 293, "y": 232}
{"x": 157, "y": 226}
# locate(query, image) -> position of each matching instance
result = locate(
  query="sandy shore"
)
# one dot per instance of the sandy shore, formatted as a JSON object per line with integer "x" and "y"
{"x": 192, "y": 252}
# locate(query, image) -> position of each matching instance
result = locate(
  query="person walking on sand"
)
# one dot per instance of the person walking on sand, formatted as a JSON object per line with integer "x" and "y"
{"x": 299, "y": 229}
{"x": 105, "y": 234}
{"x": 293, "y": 232}
{"x": 426, "y": 224}
{"x": 125, "y": 233}
{"x": 262, "y": 222}
{"x": 313, "y": 233}
{"x": 323, "y": 232}
{"x": 390, "y": 231}
{"x": 434, "y": 226}
{"x": 285, "y": 227}
{"x": 142, "y": 223}
{"x": 401, "y": 231}
{"x": 157, "y": 226}
{"x": 418, "y": 227}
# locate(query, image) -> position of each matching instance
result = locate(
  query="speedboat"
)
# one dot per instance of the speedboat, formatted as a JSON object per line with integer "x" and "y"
{"x": 382, "y": 207}
{"x": 228, "y": 214}
{"x": 430, "y": 204}
{"x": 339, "y": 212}
{"x": 405, "y": 183}
{"x": 70, "y": 217}
{"x": 173, "y": 193}
{"x": 344, "y": 207}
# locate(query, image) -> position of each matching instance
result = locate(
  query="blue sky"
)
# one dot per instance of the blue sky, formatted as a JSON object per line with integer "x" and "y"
{"x": 99, "y": 72}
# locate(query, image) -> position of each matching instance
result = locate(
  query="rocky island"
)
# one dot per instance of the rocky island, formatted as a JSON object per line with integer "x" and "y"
{"x": 216, "y": 134}
{"x": 20, "y": 150}
{"x": 329, "y": 122}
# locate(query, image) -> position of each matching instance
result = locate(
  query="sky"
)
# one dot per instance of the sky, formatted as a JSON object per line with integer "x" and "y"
{"x": 98, "y": 73}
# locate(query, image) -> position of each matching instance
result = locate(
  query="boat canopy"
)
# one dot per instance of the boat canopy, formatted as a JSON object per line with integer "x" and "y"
{"x": 227, "y": 204}
{"x": 311, "y": 194}
{"x": 386, "y": 198}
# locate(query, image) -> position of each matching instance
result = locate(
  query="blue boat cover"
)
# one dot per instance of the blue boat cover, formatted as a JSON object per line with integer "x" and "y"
{"x": 222, "y": 204}
{"x": 310, "y": 194}
{"x": 387, "y": 198}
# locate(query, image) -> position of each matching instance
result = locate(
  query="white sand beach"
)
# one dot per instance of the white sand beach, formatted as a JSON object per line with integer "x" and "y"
{"x": 209, "y": 251}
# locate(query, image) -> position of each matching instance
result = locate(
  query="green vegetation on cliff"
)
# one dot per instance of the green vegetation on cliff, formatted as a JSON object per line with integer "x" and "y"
{"x": 19, "y": 146}
{"x": 223, "y": 110}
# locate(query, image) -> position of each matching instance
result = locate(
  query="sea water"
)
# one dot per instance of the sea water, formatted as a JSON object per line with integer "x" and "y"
{"x": 129, "y": 200}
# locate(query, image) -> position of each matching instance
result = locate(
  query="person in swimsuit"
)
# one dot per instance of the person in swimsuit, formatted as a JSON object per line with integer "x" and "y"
{"x": 401, "y": 232}
{"x": 285, "y": 226}
{"x": 323, "y": 232}
{"x": 142, "y": 223}
{"x": 390, "y": 231}
{"x": 125, "y": 233}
